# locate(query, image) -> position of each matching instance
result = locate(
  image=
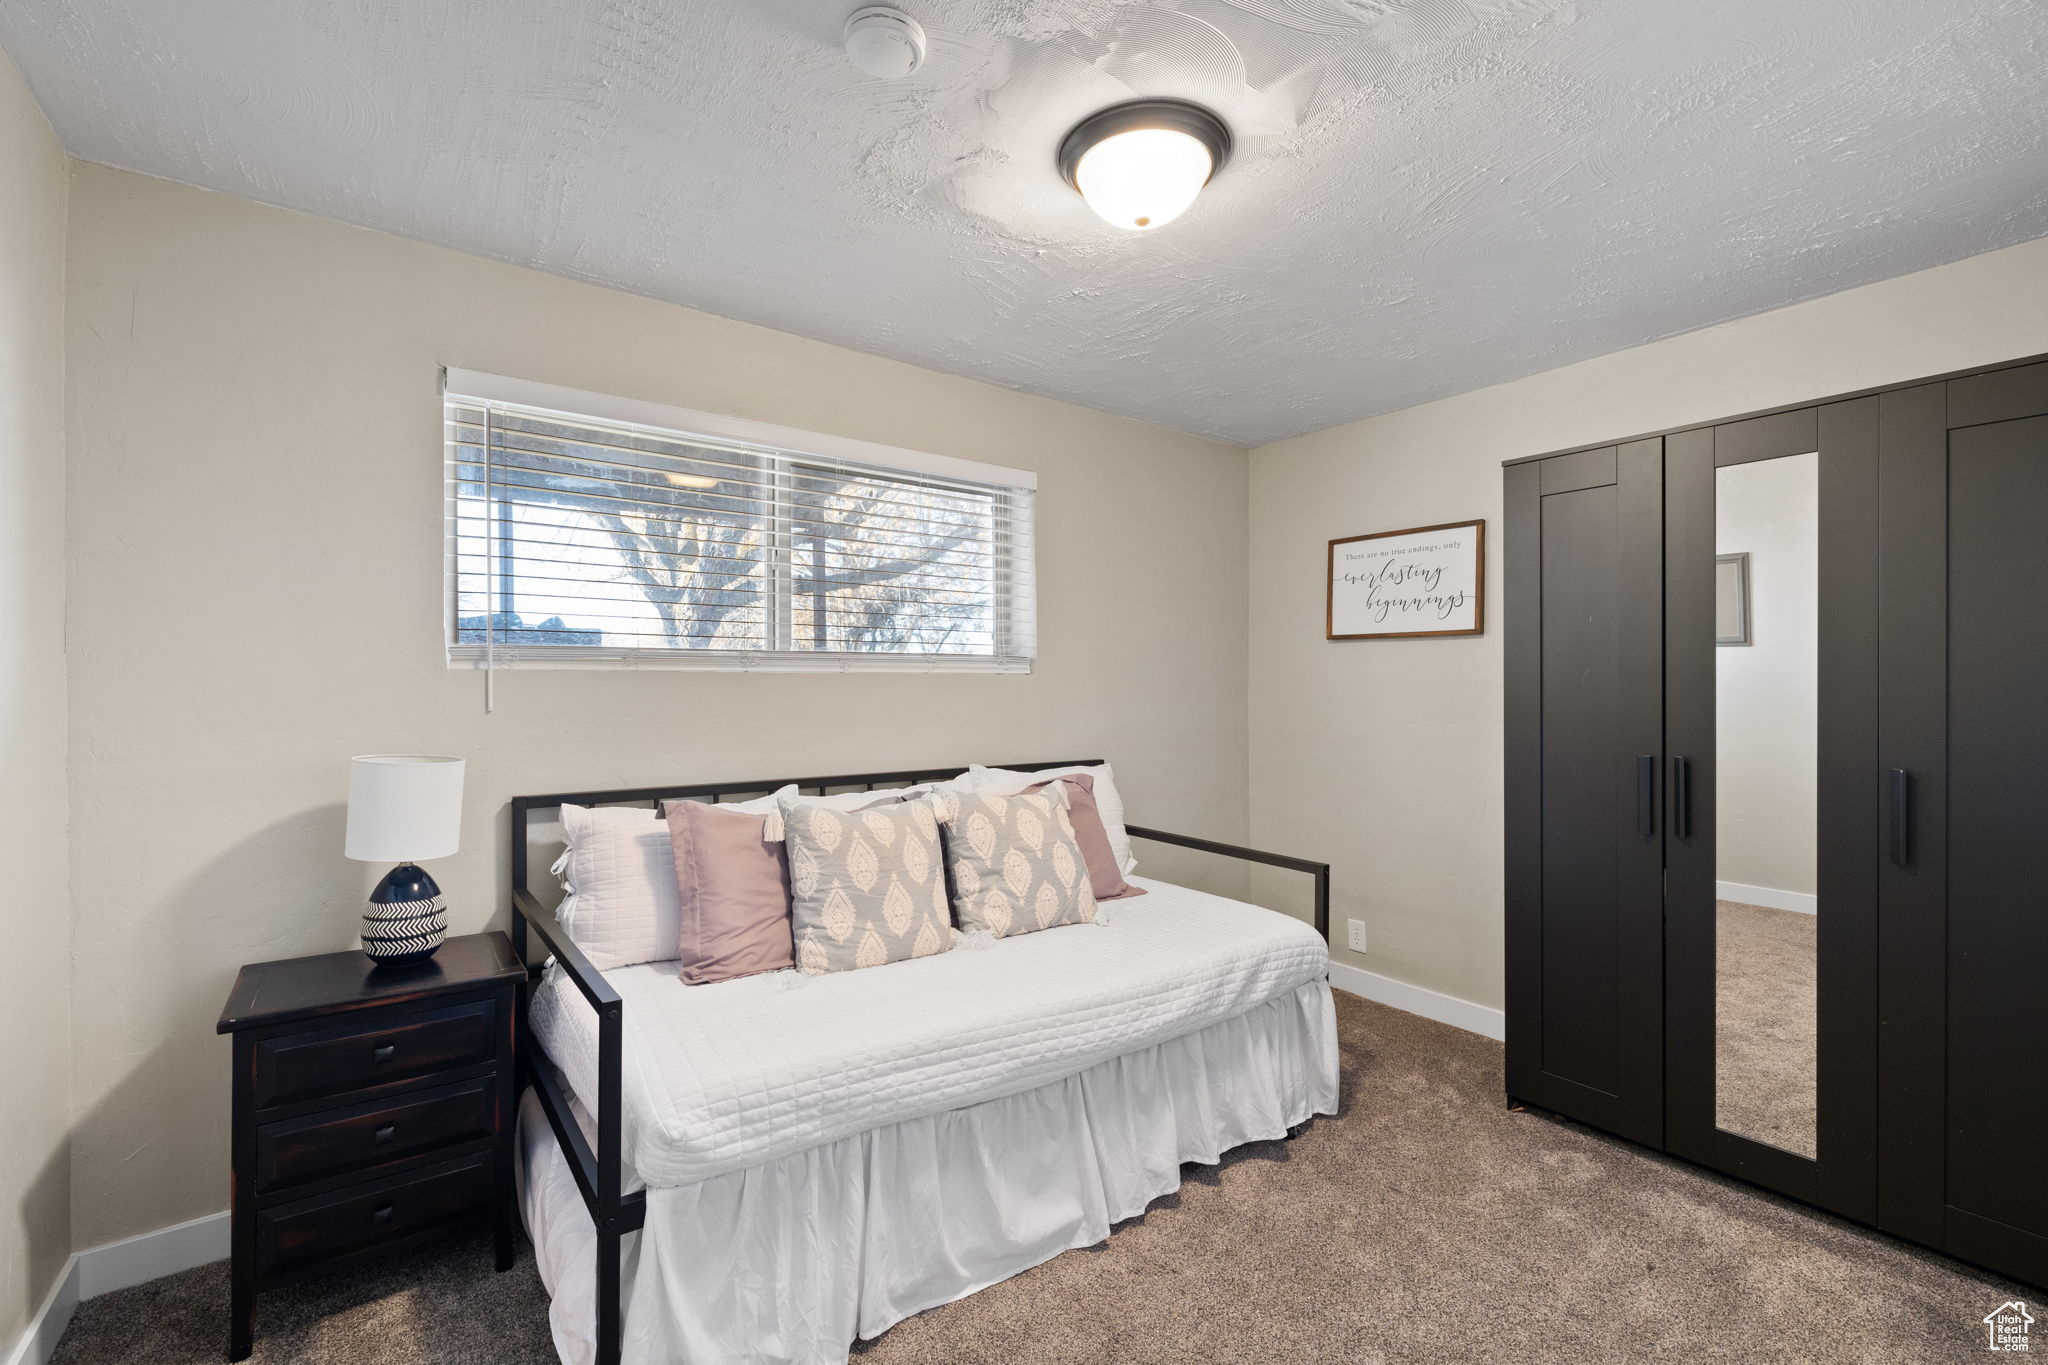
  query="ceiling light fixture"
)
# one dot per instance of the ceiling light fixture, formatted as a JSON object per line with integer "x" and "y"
{"x": 1139, "y": 165}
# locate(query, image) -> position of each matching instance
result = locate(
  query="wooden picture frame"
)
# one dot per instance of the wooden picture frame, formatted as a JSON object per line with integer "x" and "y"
{"x": 1443, "y": 563}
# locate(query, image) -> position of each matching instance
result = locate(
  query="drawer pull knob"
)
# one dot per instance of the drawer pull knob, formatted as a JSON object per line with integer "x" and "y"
{"x": 383, "y": 1213}
{"x": 384, "y": 1053}
{"x": 386, "y": 1133}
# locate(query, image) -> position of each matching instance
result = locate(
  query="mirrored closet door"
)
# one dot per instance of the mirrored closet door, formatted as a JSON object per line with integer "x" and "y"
{"x": 1771, "y": 718}
{"x": 1766, "y": 794}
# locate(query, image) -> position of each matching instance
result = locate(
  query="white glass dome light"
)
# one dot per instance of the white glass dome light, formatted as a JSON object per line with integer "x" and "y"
{"x": 1139, "y": 165}
{"x": 1142, "y": 179}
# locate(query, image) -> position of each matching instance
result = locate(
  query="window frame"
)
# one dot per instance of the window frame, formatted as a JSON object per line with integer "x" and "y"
{"x": 1012, "y": 493}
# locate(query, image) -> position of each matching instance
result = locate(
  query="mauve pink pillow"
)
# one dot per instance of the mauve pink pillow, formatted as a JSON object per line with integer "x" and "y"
{"x": 735, "y": 894}
{"x": 1105, "y": 878}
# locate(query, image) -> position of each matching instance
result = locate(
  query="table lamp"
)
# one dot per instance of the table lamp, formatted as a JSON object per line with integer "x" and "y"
{"x": 404, "y": 808}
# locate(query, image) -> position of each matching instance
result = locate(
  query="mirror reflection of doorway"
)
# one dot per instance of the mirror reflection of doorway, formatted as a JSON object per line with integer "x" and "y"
{"x": 1767, "y": 542}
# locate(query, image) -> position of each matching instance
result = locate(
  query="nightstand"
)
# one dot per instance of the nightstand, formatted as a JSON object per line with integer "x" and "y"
{"x": 372, "y": 1109}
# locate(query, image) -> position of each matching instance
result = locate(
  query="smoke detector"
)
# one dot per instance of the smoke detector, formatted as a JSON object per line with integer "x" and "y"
{"x": 884, "y": 41}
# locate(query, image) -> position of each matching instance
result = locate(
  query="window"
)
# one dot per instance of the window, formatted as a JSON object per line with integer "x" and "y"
{"x": 596, "y": 531}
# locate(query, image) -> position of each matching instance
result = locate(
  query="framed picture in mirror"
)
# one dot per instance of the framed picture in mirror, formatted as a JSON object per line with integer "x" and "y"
{"x": 1731, "y": 599}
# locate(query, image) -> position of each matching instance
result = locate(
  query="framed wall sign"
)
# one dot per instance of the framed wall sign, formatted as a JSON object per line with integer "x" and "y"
{"x": 1430, "y": 580}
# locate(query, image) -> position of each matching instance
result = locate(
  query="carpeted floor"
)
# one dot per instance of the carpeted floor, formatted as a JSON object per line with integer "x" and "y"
{"x": 1425, "y": 1224}
{"x": 1766, "y": 1025}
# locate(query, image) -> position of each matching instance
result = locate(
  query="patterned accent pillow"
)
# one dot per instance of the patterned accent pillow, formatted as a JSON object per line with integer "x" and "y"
{"x": 1109, "y": 802}
{"x": 1014, "y": 863}
{"x": 866, "y": 887}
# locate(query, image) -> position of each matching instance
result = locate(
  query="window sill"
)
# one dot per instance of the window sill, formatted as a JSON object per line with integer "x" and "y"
{"x": 727, "y": 661}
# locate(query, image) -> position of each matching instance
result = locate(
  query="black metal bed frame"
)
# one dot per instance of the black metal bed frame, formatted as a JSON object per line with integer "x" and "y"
{"x": 598, "y": 1169}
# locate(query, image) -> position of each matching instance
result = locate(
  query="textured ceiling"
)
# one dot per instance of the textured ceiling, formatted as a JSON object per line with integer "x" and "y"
{"x": 1427, "y": 195}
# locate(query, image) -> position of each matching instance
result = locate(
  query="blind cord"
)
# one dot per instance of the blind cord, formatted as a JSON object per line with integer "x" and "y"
{"x": 490, "y": 576}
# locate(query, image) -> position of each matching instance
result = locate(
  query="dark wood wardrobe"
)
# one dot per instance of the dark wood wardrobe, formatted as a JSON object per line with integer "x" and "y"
{"x": 1777, "y": 802}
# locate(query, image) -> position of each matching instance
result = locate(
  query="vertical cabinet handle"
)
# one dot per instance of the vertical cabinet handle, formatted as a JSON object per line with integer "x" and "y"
{"x": 1681, "y": 797}
{"x": 1646, "y": 793}
{"x": 1902, "y": 816}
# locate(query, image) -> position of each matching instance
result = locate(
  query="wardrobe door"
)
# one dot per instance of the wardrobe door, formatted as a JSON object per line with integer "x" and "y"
{"x": 1964, "y": 744}
{"x": 1770, "y": 854}
{"x": 1584, "y": 820}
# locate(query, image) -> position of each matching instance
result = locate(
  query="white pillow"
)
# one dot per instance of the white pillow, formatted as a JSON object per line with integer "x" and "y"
{"x": 1108, "y": 802}
{"x": 963, "y": 782}
{"x": 760, "y": 805}
{"x": 620, "y": 872}
{"x": 772, "y": 802}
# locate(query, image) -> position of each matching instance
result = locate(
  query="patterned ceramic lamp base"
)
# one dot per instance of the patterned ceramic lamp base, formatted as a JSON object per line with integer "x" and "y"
{"x": 405, "y": 920}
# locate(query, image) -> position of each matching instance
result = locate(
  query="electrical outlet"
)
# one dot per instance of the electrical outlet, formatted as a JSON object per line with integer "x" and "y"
{"x": 1355, "y": 937}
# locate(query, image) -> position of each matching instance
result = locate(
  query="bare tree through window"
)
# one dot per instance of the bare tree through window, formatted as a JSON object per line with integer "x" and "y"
{"x": 628, "y": 539}
{"x": 891, "y": 564}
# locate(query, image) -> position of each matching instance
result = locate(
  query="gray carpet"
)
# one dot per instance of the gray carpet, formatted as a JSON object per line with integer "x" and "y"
{"x": 1424, "y": 1224}
{"x": 1766, "y": 1028}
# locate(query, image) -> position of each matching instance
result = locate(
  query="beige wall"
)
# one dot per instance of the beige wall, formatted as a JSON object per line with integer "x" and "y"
{"x": 256, "y": 594}
{"x": 35, "y": 1009}
{"x": 1384, "y": 756}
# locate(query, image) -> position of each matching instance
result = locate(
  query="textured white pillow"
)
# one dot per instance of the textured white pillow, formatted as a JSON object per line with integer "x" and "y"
{"x": 619, "y": 869}
{"x": 1109, "y": 803}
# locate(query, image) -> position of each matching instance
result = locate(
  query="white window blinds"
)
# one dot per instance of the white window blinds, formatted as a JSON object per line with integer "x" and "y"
{"x": 593, "y": 531}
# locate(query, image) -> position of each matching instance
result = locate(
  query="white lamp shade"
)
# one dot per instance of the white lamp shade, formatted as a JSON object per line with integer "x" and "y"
{"x": 404, "y": 808}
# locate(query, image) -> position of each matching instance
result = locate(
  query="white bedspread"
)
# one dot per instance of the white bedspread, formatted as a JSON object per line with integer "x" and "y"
{"x": 724, "y": 1077}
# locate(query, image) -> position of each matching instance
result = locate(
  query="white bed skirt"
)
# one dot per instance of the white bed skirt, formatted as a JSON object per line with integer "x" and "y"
{"x": 787, "y": 1262}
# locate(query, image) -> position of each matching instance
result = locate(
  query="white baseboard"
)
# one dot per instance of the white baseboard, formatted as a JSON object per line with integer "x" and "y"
{"x": 118, "y": 1265}
{"x": 152, "y": 1255}
{"x": 1769, "y": 897}
{"x": 1483, "y": 1020}
{"x": 38, "y": 1340}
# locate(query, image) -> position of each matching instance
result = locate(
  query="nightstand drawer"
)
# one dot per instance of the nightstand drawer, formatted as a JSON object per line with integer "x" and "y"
{"x": 345, "y": 1141}
{"x": 295, "y": 1067}
{"x": 290, "y": 1237}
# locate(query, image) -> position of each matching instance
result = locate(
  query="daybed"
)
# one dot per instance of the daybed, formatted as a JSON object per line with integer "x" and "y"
{"x": 768, "y": 1168}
